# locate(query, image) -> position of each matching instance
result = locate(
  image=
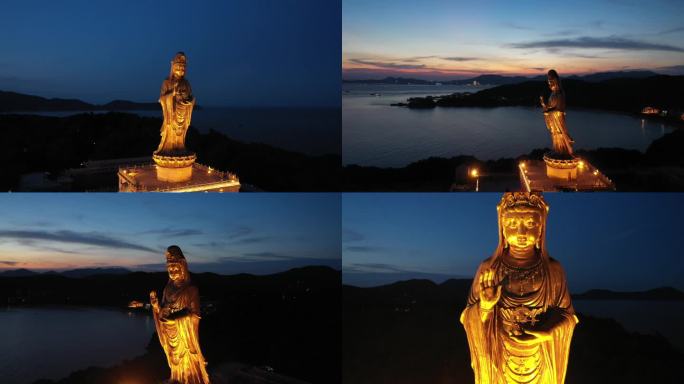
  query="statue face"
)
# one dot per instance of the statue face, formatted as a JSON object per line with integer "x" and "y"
{"x": 176, "y": 272}
{"x": 553, "y": 84}
{"x": 179, "y": 70}
{"x": 522, "y": 229}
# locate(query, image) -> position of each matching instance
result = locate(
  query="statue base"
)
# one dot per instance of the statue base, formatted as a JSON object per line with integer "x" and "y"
{"x": 194, "y": 178}
{"x": 174, "y": 169}
{"x": 174, "y": 175}
{"x": 561, "y": 167}
{"x": 570, "y": 174}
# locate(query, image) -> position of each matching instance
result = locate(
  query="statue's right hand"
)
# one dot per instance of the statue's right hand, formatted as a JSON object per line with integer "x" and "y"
{"x": 490, "y": 291}
{"x": 153, "y": 299}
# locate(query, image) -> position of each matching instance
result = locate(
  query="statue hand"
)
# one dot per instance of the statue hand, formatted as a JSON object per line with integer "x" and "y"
{"x": 531, "y": 337}
{"x": 490, "y": 293}
{"x": 153, "y": 300}
{"x": 541, "y": 100}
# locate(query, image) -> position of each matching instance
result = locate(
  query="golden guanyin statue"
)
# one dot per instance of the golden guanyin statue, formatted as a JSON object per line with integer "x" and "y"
{"x": 519, "y": 318}
{"x": 177, "y": 322}
{"x": 177, "y": 103}
{"x": 554, "y": 116}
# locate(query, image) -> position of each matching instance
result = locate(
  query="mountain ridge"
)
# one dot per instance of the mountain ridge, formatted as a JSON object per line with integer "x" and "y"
{"x": 14, "y": 101}
{"x": 495, "y": 79}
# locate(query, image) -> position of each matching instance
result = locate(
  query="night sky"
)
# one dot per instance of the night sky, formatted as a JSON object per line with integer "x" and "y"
{"x": 619, "y": 241}
{"x": 221, "y": 233}
{"x": 458, "y": 39}
{"x": 240, "y": 53}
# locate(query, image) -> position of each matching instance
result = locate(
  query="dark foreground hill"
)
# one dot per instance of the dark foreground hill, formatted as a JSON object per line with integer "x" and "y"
{"x": 54, "y": 144}
{"x": 289, "y": 321}
{"x": 409, "y": 332}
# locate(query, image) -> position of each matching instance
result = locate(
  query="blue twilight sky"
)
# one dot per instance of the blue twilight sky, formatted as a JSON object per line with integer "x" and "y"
{"x": 240, "y": 53}
{"x": 622, "y": 241}
{"x": 446, "y": 39}
{"x": 221, "y": 233}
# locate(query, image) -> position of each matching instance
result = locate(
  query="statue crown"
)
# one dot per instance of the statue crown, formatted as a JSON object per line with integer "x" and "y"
{"x": 533, "y": 200}
{"x": 179, "y": 58}
{"x": 171, "y": 258}
{"x": 174, "y": 254}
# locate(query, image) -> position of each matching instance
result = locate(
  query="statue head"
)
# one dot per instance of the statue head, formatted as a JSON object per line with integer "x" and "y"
{"x": 178, "y": 66}
{"x": 554, "y": 80}
{"x": 522, "y": 223}
{"x": 176, "y": 265}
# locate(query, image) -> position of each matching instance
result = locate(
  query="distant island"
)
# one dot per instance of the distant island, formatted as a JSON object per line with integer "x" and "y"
{"x": 409, "y": 332}
{"x": 288, "y": 321}
{"x": 630, "y": 95}
{"x": 493, "y": 79}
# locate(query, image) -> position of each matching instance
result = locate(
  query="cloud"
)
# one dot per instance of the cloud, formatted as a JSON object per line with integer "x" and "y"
{"x": 7, "y": 262}
{"x": 349, "y": 235}
{"x": 610, "y": 42}
{"x": 71, "y": 237}
{"x": 386, "y": 65}
{"x": 173, "y": 232}
{"x": 672, "y": 30}
{"x": 259, "y": 256}
{"x": 459, "y": 59}
{"x": 512, "y": 25}
{"x": 417, "y": 58}
{"x": 239, "y": 232}
{"x": 374, "y": 267}
{"x": 362, "y": 248}
{"x": 672, "y": 70}
{"x": 37, "y": 245}
{"x": 250, "y": 240}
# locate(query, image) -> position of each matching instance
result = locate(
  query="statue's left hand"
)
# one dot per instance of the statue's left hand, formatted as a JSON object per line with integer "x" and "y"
{"x": 153, "y": 300}
{"x": 530, "y": 337}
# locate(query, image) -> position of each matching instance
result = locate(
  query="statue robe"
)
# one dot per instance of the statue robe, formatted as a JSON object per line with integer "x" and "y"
{"x": 554, "y": 117}
{"x": 179, "y": 336}
{"x": 490, "y": 345}
{"x": 177, "y": 103}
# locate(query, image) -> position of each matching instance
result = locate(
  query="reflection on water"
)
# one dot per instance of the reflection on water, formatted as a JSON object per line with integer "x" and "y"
{"x": 375, "y": 133}
{"x": 53, "y": 342}
{"x": 314, "y": 131}
{"x": 650, "y": 317}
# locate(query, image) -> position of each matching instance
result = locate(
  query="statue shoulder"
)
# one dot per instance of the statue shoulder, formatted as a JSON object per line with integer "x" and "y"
{"x": 192, "y": 291}
{"x": 166, "y": 84}
{"x": 555, "y": 266}
{"x": 486, "y": 263}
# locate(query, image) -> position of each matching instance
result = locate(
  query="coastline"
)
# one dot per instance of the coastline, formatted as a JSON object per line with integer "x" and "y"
{"x": 659, "y": 168}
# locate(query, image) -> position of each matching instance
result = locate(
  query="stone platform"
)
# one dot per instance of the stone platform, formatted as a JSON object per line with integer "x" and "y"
{"x": 535, "y": 177}
{"x": 144, "y": 178}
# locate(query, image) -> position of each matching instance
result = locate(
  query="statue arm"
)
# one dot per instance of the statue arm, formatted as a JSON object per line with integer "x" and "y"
{"x": 484, "y": 292}
{"x": 480, "y": 326}
{"x": 551, "y": 104}
{"x": 166, "y": 100}
{"x": 556, "y": 102}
